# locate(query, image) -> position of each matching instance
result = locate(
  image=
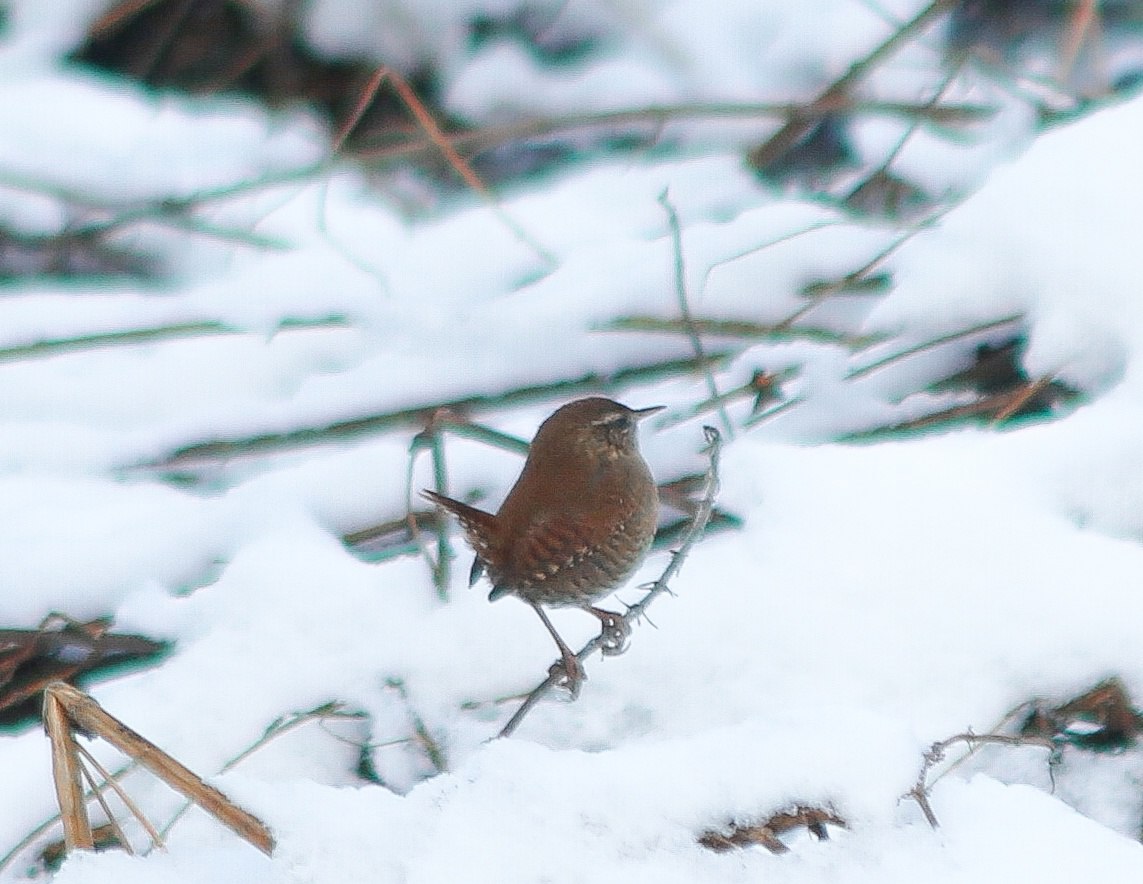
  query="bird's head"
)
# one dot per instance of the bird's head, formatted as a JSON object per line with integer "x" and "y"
{"x": 595, "y": 423}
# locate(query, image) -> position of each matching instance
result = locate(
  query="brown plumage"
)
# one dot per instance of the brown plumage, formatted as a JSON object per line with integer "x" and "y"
{"x": 576, "y": 524}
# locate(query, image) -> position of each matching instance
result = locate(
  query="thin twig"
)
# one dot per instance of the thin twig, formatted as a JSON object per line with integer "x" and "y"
{"x": 412, "y": 525}
{"x": 660, "y": 586}
{"x": 433, "y": 749}
{"x": 933, "y": 343}
{"x": 278, "y": 728}
{"x": 160, "y": 38}
{"x": 363, "y": 101}
{"x": 820, "y": 291}
{"x": 974, "y": 748}
{"x": 128, "y": 802}
{"x": 432, "y": 438}
{"x": 914, "y": 125}
{"x": 441, "y": 421}
{"x": 42, "y": 829}
{"x": 685, "y": 309}
{"x": 97, "y": 793}
{"x": 437, "y": 136}
{"x": 163, "y": 206}
{"x": 752, "y": 389}
{"x": 169, "y": 213}
{"x": 288, "y": 723}
{"x": 118, "y": 15}
{"x": 782, "y": 407}
{"x": 346, "y": 253}
{"x": 997, "y": 407}
{"x": 1021, "y": 396}
{"x": 442, "y": 574}
{"x": 775, "y": 241}
{"x": 1084, "y": 21}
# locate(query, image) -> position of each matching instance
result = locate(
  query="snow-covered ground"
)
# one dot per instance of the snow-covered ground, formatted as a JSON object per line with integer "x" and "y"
{"x": 879, "y": 597}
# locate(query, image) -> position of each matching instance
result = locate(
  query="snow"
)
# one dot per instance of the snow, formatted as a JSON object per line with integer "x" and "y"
{"x": 878, "y": 597}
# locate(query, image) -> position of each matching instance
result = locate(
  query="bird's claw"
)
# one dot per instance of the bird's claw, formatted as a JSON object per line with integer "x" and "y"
{"x": 571, "y": 674}
{"x": 615, "y": 636}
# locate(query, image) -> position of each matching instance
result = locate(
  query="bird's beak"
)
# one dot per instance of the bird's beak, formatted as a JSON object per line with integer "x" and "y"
{"x": 641, "y": 413}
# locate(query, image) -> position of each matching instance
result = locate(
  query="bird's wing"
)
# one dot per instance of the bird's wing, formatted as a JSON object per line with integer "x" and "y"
{"x": 550, "y": 546}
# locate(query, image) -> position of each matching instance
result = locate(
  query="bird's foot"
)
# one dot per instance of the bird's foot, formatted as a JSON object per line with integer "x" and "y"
{"x": 616, "y": 632}
{"x": 571, "y": 673}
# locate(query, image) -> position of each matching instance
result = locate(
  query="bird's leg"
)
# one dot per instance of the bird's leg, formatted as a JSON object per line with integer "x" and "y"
{"x": 616, "y": 631}
{"x": 573, "y": 669}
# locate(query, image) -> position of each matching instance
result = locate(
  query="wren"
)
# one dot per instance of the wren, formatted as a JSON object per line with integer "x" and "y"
{"x": 576, "y": 524}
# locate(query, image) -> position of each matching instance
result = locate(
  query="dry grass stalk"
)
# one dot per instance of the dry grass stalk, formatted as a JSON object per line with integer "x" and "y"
{"x": 66, "y": 773}
{"x": 67, "y": 710}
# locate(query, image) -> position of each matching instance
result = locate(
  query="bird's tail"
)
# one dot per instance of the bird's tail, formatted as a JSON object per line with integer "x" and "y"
{"x": 480, "y": 529}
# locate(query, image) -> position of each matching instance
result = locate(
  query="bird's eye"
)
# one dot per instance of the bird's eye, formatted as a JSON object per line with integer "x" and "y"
{"x": 614, "y": 422}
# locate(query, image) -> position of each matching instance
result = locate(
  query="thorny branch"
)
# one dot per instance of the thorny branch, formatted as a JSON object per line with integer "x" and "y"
{"x": 936, "y": 754}
{"x": 660, "y": 586}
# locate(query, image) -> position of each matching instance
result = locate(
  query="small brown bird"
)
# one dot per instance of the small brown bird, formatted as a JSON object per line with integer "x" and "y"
{"x": 576, "y": 524}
